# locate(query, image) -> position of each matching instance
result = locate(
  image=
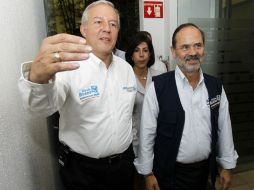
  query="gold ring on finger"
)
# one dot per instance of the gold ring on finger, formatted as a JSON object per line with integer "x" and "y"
{"x": 57, "y": 57}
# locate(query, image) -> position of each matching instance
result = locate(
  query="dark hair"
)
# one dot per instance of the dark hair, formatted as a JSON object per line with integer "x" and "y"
{"x": 147, "y": 34}
{"x": 138, "y": 39}
{"x": 185, "y": 26}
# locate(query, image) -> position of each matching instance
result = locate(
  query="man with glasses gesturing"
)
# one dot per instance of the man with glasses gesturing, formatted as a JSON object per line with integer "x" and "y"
{"x": 185, "y": 126}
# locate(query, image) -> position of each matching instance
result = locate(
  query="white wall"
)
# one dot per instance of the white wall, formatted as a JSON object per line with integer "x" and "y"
{"x": 26, "y": 162}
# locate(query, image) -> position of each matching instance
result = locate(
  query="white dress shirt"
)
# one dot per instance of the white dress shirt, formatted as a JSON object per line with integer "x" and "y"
{"x": 95, "y": 105}
{"x": 138, "y": 106}
{"x": 196, "y": 137}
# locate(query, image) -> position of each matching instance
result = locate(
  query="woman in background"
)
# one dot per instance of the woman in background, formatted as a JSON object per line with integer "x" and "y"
{"x": 140, "y": 55}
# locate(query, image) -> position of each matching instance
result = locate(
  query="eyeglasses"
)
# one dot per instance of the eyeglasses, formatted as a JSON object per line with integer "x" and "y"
{"x": 187, "y": 47}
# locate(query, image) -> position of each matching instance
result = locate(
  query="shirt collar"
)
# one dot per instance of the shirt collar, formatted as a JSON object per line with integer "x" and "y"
{"x": 98, "y": 61}
{"x": 184, "y": 81}
{"x": 95, "y": 59}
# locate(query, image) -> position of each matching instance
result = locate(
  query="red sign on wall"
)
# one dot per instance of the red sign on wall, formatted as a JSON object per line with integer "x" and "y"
{"x": 153, "y": 9}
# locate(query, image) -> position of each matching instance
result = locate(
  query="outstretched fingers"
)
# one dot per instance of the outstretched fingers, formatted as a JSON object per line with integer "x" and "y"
{"x": 58, "y": 53}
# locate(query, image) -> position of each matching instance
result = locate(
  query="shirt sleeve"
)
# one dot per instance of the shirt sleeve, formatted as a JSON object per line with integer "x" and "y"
{"x": 40, "y": 99}
{"x": 227, "y": 156}
{"x": 144, "y": 161}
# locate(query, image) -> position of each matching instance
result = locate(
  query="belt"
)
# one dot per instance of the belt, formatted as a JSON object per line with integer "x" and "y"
{"x": 199, "y": 164}
{"x": 106, "y": 160}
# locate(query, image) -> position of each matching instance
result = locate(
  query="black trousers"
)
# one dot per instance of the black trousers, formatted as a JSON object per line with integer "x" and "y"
{"x": 186, "y": 177}
{"x": 112, "y": 173}
{"x": 191, "y": 176}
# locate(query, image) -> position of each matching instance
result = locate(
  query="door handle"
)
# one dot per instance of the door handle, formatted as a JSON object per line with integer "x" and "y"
{"x": 165, "y": 61}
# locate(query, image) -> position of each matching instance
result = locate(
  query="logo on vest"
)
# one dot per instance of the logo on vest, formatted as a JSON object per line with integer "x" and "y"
{"x": 214, "y": 102}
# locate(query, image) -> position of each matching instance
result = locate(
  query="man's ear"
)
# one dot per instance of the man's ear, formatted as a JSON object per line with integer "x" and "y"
{"x": 83, "y": 30}
{"x": 173, "y": 51}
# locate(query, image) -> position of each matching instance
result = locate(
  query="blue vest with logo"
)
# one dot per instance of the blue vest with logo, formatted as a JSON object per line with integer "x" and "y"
{"x": 170, "y": 125}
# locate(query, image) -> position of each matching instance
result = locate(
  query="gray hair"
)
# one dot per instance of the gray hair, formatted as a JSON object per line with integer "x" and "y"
{"x": 84, "y": 18}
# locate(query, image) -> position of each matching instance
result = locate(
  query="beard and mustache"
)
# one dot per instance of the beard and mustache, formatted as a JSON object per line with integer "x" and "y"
{"x": 186, "y": 66}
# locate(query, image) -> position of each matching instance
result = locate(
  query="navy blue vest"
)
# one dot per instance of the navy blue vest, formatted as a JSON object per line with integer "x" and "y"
{"x": 170, "y": 125}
